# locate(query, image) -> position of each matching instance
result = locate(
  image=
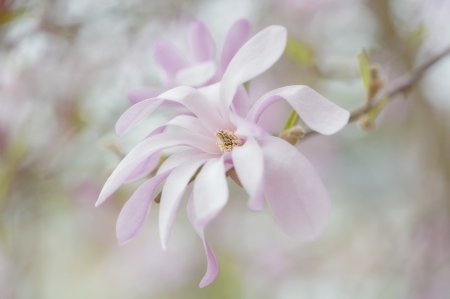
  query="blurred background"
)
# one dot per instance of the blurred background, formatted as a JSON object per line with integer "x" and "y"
{"x": 65, "y": 68}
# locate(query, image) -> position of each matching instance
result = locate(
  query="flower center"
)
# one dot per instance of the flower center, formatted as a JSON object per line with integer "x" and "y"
{"x": 226, "y": 140}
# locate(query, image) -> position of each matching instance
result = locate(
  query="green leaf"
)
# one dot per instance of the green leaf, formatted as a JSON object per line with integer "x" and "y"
{"x": 364, "y": 68}
{"x": 300, "y": 52}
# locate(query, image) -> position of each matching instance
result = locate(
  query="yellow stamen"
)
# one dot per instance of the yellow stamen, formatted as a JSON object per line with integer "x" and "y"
{"x": 226, "y": 140}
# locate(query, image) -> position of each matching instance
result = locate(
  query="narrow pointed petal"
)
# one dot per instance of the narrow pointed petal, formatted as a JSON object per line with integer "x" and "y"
{"x": 196, "y": 75}
{"x": 135, "y": 114}
{"x": 294, "y": 192}
{"x": 248, "y": 161}
{"x": 145, "y": 168}
{"x": 178, "y": 158}
{"x": 210, "y": 191}
{"x": 173, "y": 191}
{"x": 190, "y": 123}
{"x": 147, "y": 147}
{"x": 316, "y": 111}
{"x": 237, "y": 36}
{"x": 252, "y": 59}
{"x": 136, "y": 95}
{"x": 169, "y": 58}
{"x": 200, "y": 42}
{"x": 199, "y": 105}
{"x": 134, "y": 212}
{"x": 241, "y": 102}
{"x": 246, "y": 128}
{"x": 212, "y": 266}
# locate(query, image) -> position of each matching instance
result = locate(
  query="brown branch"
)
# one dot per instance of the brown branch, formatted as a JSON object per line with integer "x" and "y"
{"x": 400, "y": 85}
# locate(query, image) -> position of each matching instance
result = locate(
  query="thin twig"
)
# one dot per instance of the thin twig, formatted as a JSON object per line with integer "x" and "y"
{"x": 401, "y": 84}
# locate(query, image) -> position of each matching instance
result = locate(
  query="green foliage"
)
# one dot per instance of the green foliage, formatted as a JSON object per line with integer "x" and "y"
{"x": 300, "y": 52}
{"x": 364, "y": 68}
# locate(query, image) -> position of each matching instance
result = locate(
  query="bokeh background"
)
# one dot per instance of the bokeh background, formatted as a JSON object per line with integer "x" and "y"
{"x": 65, "y": 67}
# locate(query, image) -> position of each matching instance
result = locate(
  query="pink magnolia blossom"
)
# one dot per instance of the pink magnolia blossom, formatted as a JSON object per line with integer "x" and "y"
{"x": 223, "y": 133}
{"x": 200, "y": 67}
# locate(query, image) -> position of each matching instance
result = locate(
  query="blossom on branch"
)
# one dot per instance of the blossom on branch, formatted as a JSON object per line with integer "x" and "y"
{"x": 222, "y": 133}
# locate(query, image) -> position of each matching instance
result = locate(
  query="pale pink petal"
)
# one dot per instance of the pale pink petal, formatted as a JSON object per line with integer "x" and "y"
{"x": 254, "y": 57}
{"x": 238, "y": 34}
{"x": 200, "y": 42}
{"x": 212, "y": 93}
{"x": 199, "y": 105}
{"x": 135, "y": 114}
{"x": 246, "y": 128}
{"x": 241, "y": 102}
{"x": 173, "y": 191}
{"x": 145, "y": 168}
{"x": 197, "y": 74}
{"x": 294, "y": 192}
{"x": 146, "y": 148}
{"x": 169, "y": 58}
{"x": 135, "y": 211}
{"x": 316, "y": 111}
{"x": 212, "y": 266}
{"x": 210, "y": 191}
{"x": 178, "y": 158}
{"x": 248, "y": 161}
{"x": 136, "y": 95}
{"x": 190, "y": 123}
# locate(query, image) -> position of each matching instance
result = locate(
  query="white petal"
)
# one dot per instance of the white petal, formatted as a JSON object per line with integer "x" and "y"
{"x": 316, "y": 111}
{"x": 252, "y": 59}
{"x": 294, "y": 192}
{"x": 197, "y": 74}
{"x": 135, "y": 114}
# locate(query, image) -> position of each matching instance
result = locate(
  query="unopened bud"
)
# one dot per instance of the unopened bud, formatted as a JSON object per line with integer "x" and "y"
{"x": 293, "y": 134}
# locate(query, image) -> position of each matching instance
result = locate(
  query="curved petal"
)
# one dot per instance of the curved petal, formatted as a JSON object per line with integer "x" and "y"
{"x": 173, "y": 191}
{"x": 199, "y": 105}
{"x": 145, "y": 168}
{"x": 212, "y": 266}
{"x": 316, "y": 111}
{"x": 147, "y": 147}
{"x": 178, "y": 158}
{"x": 294, "y": 192}
{"x": 135, "y": 211}
{"x": 135, "y": 114}
{"x": 136, "y": 95}
{"x": 253, "y": 58}
{"x": 246, "y": 128}
{"x": 241, "y": 102}
{"x": 212, "y": 93}
{"x": 169, "y": 58}
{"x": 248, "y": 161}
{"x": 200, "y": 42}
{"x": 190, "y": 123}
{"x": 196, "y": 75}
{"x": 210, "y": 191}
{"x": 238, "y": 34}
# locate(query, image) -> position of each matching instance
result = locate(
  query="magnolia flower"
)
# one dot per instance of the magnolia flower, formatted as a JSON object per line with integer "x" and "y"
{"x": 199, "y": 68}
{"x": 223, "y": 133}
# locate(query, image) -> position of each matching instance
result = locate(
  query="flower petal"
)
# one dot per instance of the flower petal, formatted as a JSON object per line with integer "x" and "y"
{"x": 134, "y": 212}
{"x": 169, "y": 58}
{"x": 200, "y": 42}
{"x": 210, "y": 191}
{"x": 145, "y": 168}
{"x": 241, "y": 102}
{"x": 173, "y": 191}
{"x": 238, "y": 34}
{"x": 136, "y": 95}
{"x": 147, "y": 147}
{"x": 136, "y": 114}
{"x": 294, "y": 192}
{"x": 253, "y": 58}
{"x": 178, "y": 158}
{"x": 316, "y": 111}
{"x": 212, "y": 266}
{"x": 196, "y": 75}
{"x": 248, "y": 161}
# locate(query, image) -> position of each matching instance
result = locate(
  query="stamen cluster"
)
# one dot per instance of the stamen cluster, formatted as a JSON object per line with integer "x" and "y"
{"x": 226, "y": 140}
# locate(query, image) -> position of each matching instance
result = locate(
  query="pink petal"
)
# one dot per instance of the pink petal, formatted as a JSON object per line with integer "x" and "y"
{"x": 248, "y": 161}
{"x": 210, "y": 191}
{"x": 136, "y": 95}
{"x": 173, "y": 191}
{"x": 212, "y": 266}
{"x": 200, "y": 42}
{"x": 246, "y": 128}
{"x": 134, "y": 212}
{"x": 168, "y": 57}
{"x": 190, "y": 123}
{"x": 241, "y": 102}
{"x": 197, "y": 74}
{"x": 254, "y": 57}
{"x": 145, "y": 168}
{"x": 147, "y": 147}
{"x": 178, "y": 158}
{"x": 238, "y": 34}
{"x": 294, "y": 192}
{"x": 135, "y": 114}
{"x": 316, "y": 111}
{"x": 199, "y": 105}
